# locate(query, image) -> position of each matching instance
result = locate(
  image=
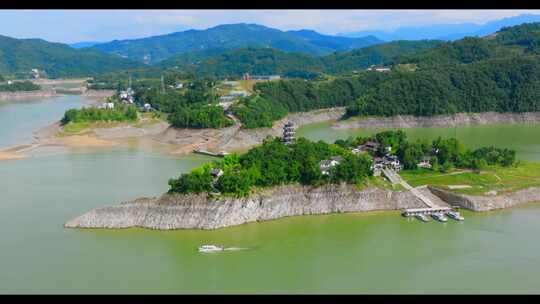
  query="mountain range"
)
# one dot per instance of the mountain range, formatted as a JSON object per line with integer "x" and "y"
{"x": 56, "y": 59}
{"x": 446, "y": 31}
{"x": 231, "y": 36}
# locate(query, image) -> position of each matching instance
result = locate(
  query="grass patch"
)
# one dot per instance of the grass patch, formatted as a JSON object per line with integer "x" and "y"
{"x": 75, "y": 127}
{"x": 495, "y": 178}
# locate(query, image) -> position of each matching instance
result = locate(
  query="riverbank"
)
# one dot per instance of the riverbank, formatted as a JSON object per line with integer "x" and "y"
{"x": 459, "y": 119}
{"x": 175, "y": 211}
{"x": 10, "y": 155}
{"x": 4, "y": 96}
{"x": 235, "y": 138}
{"x": 204, "y": 212}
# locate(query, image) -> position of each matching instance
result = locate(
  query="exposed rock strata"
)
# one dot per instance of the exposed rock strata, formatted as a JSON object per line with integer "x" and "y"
{"x": 460, "y": 119}
{"x": 203, "y": 212}
{"x": 27, "y": 94}
{"x": 487, "y": 203}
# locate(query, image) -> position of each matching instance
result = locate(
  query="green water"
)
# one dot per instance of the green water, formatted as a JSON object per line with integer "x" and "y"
{"x": 20, "y": 118}
{"x": 495, "y": 252}
{"x": 523, "y": 138}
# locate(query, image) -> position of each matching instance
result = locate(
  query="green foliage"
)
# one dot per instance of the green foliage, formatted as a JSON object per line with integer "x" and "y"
{"x": 445, "y": 154}
{"x": 198, "y": 181}
{"x": 20, "y": 56}
{"x": 274, "y": 163}
{"x": 352, "y": 169}
{"x": 119, "y": 113}
{"x": 195, "y": 45}
{"x": 199, "y": 117}
{"x": 257, "y": 112}
{"x": 19, "y": 86}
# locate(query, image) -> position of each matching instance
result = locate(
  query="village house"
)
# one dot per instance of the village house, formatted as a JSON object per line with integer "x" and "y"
{"x": 127, "y": 95}
{"x": 226, "y": 105}
{"x": 379, "y": 69}
{"x": 367, "y": 146}
{"x": 216, "y": 173}
{"x": 260, "y": 77}
{"x": 326, "y": 164}
{"x": 425, "y": 163}
{"x": 226, "y": 98}
{"x": 147, "y": 108}
{"x": 106, "y": 105}
{"x": 230, "y": 83}
{"x": 238, "y": 93}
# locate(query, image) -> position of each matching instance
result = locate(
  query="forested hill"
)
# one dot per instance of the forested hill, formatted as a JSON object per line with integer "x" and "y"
{"x": 508, "y": 42}
{"x": 231, "y": 36}
{"x": 292, "y": 64}
{"x": 500, "y": 72}
{"x": 19, "y": 56}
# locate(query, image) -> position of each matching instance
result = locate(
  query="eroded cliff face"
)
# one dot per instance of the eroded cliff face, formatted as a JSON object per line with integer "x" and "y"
{"x": 27, "y": 94}
{"x": 486, "y": 203}
{"x": 203, "y": 212}
{"x": 459, "y": 119}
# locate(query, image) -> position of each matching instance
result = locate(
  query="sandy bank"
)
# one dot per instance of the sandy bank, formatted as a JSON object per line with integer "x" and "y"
{"x": 235, "y": 138}
{"x": 27, "y": 94}
{"x": 85, "y": 141}
{"x": 10, "y": 155}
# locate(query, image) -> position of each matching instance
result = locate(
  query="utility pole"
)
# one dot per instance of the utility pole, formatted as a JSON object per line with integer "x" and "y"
{"x": 162, "y": 85}
{"x": 129, "y": 84}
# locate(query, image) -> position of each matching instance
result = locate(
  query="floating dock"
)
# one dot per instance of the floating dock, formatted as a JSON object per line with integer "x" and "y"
{"x": 204, "y": 152}
{"x": 426, "y": 211}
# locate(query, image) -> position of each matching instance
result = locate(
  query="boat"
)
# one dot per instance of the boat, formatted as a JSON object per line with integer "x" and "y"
{"x": 210, "y": 248}
{"x": 455, "y": 215}
{"x": 439, "y": 217}
{"x": 422, "y": 217}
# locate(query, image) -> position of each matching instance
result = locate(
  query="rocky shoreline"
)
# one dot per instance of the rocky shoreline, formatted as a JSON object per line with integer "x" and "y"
{"x": 489, "y": 202}
{"x": 204, "y": 212}
{"x": 459, "y": 119}
{"x": 170, "y": 212}
{"x": 27, "y": 94}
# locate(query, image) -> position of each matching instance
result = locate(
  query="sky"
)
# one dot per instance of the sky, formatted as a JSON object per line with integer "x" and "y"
{"x": 69, "y": 26}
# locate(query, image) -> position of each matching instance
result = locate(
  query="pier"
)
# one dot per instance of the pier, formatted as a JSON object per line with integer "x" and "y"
{"x": 432, "y": 208}
{"x": 205, "y": 152}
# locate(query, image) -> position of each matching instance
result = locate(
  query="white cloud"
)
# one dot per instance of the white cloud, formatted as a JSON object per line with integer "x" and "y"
{"x": 103, "y": 25}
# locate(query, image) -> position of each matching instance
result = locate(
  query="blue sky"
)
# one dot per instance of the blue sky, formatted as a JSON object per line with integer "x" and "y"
{"x": 70, "y": 26}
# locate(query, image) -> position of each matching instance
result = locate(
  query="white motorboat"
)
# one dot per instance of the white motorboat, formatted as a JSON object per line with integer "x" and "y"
{"x": 210, "y": 248}
{"x": 455, "y": 215}
{"x": 422, "y": 217}
{"x": 439, "y": 217}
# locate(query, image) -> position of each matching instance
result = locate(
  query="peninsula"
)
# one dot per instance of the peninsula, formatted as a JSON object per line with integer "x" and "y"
{"x": 290, "y": 177}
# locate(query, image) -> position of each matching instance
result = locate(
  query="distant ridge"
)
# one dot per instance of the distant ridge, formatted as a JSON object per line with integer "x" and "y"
{"x": 231, "y": 36}
{"x": 446, "y": 31}
{"x": 20, "y": 56}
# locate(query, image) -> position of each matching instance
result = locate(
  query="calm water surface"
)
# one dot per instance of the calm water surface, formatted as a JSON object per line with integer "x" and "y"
{"x": 493, "y": 252}
{"x": 523, "y": 138}
{"x": 19, "y": 119}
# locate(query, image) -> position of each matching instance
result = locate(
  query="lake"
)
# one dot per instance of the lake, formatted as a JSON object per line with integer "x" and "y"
{"x": 343, "y": 253}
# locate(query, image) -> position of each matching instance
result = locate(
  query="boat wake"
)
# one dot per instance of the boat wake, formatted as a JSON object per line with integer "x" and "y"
{"x": 215, "y": 248}
{"x": 235, "y": 249}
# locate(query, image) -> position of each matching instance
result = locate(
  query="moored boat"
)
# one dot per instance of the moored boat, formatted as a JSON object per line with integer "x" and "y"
{"x": 422, "y": 217}
{"x": 455, "y": 215}
{"x": 439, "y": 217}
